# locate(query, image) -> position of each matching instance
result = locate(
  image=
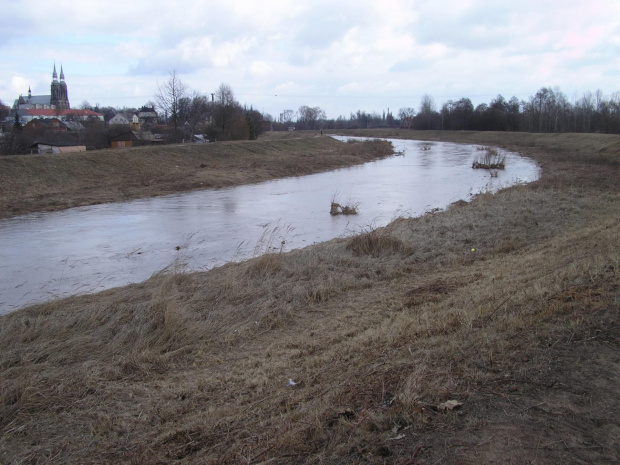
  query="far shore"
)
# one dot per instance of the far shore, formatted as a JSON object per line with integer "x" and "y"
{"x": 42, "y": 182}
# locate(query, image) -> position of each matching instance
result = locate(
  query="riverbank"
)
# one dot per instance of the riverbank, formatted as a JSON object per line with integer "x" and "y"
{"x": 484, "y": 333}
{"x": 34, "y": 183}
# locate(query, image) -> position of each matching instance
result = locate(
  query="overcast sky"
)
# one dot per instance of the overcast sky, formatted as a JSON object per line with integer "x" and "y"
{"x": 340, "y": 55}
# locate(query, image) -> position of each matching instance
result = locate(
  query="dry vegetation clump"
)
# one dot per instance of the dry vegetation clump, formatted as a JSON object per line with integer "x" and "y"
{"x": 337, "y": 209}
{"x": 401, "y": 345}
{"x": 375, "y": 242}
{"x": 492, "y": 159}
{"x": 349, "y": 208}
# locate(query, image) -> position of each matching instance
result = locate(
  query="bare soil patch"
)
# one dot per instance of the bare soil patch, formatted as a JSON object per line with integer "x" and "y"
{"x": 350, "y": 351}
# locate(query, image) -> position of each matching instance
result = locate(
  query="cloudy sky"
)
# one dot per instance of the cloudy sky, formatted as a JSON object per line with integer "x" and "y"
{"x": 340, "y": 55}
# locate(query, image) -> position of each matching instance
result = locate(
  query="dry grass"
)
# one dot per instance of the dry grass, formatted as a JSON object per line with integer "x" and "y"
{"x": 376, "y": 331}
{"x": 30, "y": 183}
{"x": 376, "y": 242}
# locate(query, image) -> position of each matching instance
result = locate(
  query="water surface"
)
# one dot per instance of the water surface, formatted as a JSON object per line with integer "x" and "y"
{"x": 88, "y": 249}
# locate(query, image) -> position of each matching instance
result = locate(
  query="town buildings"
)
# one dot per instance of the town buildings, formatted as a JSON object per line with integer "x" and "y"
{"x": 55, "y": 105}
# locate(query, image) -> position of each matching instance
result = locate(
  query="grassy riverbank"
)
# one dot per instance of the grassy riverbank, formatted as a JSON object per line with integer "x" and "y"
{"x": 31, "y": 183}
{"x": 347, "y": 352}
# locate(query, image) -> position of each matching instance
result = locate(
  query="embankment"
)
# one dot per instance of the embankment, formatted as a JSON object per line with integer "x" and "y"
{"x": 486, "y": 333}
{"x": 31, "y": 183}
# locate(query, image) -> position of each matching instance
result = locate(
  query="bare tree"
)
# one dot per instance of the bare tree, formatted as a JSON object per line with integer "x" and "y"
{"x": 308, "y": 117}
{"x": 286, "y": 117}
{"x": 427, "y": 112}
{"x": 168, "y": 98}
{"x": 406, "y": 115}
{"x": 427, "y": 104}
{"x": 4, "y": 113}
{"x": 192, "y": 110}
{"x": 228, "y": 115}
{"x": 586, "y": 105}
{"x": 254, "y": 120}
{"x": 224, "y": 95}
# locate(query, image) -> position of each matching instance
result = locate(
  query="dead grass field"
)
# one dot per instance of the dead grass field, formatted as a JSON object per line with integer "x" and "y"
{"x": 507, "y": 305}
{"x": 30, "y": 183}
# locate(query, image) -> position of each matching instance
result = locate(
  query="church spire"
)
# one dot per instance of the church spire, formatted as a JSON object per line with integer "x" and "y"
{"x": 62, "y": 74}
{"x": 55, "y": 75}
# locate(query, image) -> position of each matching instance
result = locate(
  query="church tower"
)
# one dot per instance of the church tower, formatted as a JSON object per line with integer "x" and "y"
{"x": 60, "y": 96}
{"x": 64, "y": 95}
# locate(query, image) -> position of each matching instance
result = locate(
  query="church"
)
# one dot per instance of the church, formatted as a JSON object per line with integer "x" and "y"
{"x": 57, "y": 100}
{"x": 56, "y": 105}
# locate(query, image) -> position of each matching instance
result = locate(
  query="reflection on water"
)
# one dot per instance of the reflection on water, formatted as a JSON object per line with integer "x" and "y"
{"x": 87, "y": 249}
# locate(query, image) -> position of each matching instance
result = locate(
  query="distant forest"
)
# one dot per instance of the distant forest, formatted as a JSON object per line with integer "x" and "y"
{"x": 547, "y": 111}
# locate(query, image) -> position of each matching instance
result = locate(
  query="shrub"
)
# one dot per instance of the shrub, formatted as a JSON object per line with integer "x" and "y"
{"x": 491, "y": 159}
{"x": 375, "y": 242}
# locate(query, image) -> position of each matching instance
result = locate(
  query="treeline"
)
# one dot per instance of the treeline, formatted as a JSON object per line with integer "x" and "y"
{"x": 222, "y": 117}
{"x": 549, "y": 110}
{"x": 184, "y": 113}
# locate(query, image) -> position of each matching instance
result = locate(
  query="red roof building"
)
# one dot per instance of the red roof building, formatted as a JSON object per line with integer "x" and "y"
{"x": 27, "y": 115}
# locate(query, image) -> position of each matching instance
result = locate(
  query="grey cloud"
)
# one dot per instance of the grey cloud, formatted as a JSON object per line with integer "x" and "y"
{"x": 484, "y": 25}
{"x": 327, "y": 22}
{"x": 612, "y": 72}
{"x": 595, "y": 57}
{"x": 406, "y": 65}
{"x": 13, "y": 22}
{"x": 162, "y": 66}
{"x": 321, "y": 33}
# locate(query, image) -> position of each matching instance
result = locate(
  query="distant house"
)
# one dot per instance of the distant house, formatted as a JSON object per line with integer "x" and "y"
{"x": 147, "y": 115}
{"x": 129, "y": 119}
{"x": 132, "y": 139}
{"x": 73, "y": 125}
{"x": 52, "y": 124}
{"x": 120, "y": 119}
{"x": 57, "y": 147}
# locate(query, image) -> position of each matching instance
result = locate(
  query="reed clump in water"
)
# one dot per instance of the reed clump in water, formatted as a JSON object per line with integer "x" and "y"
{"x": 337, "y": 209}
{"x": 349, "y": 208}
{"x": 491, "y": 159}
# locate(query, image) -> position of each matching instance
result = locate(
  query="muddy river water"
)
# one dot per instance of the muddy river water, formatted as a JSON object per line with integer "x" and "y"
{"x": 87, "y": 249}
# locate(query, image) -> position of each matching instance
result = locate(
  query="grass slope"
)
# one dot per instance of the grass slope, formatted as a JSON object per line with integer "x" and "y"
{"x": 377, "y": 333}
{"x": 30, "y": 183}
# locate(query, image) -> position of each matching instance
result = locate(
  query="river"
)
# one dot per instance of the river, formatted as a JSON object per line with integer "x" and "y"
{"x": 82, "y": 250}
